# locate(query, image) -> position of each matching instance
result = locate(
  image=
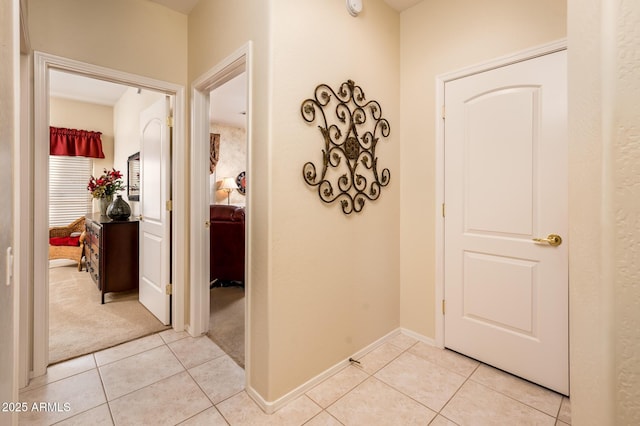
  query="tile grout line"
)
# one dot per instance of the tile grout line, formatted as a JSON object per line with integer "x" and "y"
{"x": 90, "y": 408}
{"x": 328, "y": 414}
{"x": 104, "y": 391}
{"x": 28, "y": 389}
{"x": 516, "y": 399}
{"x": 506, "y": 396}
{"x": 185, "y": 370}
{"x": 469, "y": 378}
{"x": 146, "y": 386}
{"x": 207, "y": 396}
{"x": 313, "y": 402}
{"x": 456, "y": 392}
{"x": 359, "y": 367}
{"x": 214, "y": 405}
{"x": 438, "y": 412}
{"x": 130, "y": 355}
{"x": 372, "y": 376}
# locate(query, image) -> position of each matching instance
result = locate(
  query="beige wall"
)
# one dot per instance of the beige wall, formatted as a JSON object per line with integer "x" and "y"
{"x": 135, "y": 36}
{"x": 218, "y": 28}
{"x": 440, "y": 36}
{"x": 604, "y": 38}
{"x": 334, "y": 285}
{"x": 73, "y": 114}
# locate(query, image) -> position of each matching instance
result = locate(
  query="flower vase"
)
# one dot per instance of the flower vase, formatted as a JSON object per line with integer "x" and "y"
{"x": 104, "y": 203}
{"x": 119, "y": 209}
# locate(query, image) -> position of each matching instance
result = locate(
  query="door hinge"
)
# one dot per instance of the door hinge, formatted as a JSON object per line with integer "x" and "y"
{"x": 169, "y": 289}
{"x": 443, "y": 306}
{"x": 170, "y": 121}
{"x": 443, "y": 112}
{"x": 169, "y": 205}
{"x": 443, "y": 210}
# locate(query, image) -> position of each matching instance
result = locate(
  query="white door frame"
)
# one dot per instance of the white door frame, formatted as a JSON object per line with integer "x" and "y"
{"x": 232, "y": 66}
{"x": 441, "y": 80}
{"x": 43, "y": 62}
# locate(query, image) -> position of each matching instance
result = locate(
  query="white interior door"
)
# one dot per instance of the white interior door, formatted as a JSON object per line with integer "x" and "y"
{"x": 155, "y": 187}
{"x": 506, "y": 185}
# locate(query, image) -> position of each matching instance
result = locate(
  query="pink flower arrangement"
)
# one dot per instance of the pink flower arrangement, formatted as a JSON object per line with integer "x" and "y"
{"x": 106, "y": 185}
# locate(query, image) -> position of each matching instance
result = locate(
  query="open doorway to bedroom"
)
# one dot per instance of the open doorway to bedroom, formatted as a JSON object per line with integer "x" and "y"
{"x": 36, "y": 344}
{"x": 104, "y": 117}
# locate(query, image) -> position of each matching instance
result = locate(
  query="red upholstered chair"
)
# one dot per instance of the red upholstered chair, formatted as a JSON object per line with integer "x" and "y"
{"x": 227, "y": 244}
{"x": 63, "y": 246}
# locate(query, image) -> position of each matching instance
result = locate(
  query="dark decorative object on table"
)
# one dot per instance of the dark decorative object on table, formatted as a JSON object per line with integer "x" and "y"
{"x": 119, "y": 209}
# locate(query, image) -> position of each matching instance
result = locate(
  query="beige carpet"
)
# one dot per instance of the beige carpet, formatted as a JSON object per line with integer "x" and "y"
{"x": 226, "y": 321}
{"x": 79, "y": 324}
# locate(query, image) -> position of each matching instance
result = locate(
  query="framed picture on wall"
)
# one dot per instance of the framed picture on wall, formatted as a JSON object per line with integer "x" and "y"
{"x": 214, "y": 151}
{"x": 133, "y": 177}
{"x": 241, "y": 181}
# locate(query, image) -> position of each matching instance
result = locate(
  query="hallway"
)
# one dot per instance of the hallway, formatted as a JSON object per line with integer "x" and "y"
{"x": 171, "y": 378}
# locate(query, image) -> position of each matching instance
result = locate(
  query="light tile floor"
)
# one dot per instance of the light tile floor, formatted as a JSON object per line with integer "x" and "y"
{"x": 170, "y": 378}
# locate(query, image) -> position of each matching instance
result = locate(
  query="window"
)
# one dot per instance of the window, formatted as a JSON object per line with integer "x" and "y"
{"x": 68, "y": 195}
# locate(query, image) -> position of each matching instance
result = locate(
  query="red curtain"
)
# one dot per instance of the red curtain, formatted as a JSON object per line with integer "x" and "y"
{"x": 75, "y": 143}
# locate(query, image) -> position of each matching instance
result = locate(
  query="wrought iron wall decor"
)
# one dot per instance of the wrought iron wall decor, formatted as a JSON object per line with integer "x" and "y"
{"x": 350, "y": 131}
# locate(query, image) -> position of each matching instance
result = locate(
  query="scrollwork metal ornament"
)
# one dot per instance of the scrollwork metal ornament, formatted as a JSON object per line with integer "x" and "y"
{"x": 351, "y": 128}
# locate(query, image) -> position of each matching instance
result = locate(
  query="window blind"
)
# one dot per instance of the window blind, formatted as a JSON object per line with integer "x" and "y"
{"x": 68, "y": 195}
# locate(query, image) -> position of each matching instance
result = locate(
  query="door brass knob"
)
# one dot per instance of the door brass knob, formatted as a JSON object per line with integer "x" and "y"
{"x": 552, "y": 240}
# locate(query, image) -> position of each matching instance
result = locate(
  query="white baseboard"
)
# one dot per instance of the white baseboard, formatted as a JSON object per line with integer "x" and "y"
{"x": 419, "y": 337}
{"x": 270, "y": 407}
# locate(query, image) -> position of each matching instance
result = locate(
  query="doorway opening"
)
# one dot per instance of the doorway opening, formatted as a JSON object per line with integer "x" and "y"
{"x": 227, "y": 207}
{"x": 135, "y": 86}
{"x": 220, "y": 255}
{"x": 78, "y": 322}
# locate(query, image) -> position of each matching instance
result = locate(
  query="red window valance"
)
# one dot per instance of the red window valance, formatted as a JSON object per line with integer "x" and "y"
{"x": 75, "y": 143}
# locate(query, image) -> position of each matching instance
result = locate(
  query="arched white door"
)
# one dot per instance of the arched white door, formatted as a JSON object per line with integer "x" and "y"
{"x": 506, "y": 185}
{"x": 155, "y": 192}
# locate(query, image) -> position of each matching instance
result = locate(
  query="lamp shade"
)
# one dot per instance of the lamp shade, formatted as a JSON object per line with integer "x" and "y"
{"x": 228, "y": 184}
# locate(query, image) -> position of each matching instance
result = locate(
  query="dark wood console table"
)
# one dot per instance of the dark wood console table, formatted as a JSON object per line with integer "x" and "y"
{"x": 111, "y": 251}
